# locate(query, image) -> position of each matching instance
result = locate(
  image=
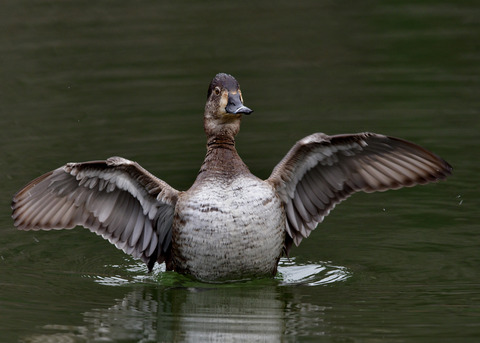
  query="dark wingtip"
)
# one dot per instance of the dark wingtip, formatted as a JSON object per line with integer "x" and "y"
{"x": 152, "y": 259}
{"x": 448, "y": 167}
{"x": 444, "y": 170}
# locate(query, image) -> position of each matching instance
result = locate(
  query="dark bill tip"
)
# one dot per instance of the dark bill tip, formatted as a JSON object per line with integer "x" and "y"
{"x": 242, "y": 109}
{"x": 235, "y": 105}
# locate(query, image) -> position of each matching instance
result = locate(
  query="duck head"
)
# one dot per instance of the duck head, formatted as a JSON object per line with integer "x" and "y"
{"x": 224, "y": 107}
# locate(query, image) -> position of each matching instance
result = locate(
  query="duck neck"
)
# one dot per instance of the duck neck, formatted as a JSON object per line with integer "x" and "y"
{"x": 220, "y": 141}
{"x": 222, "y": 160}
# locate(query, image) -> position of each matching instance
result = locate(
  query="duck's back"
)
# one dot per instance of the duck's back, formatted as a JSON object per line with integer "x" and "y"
{"x": 228, "y": 226}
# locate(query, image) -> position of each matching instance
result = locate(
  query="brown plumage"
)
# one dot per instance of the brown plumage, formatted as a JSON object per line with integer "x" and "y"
{"x": 229, "y": 224}
{"x": 320, "y": 171}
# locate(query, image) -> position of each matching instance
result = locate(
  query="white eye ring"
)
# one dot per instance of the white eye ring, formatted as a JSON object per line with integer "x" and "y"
{"x": 217, "y": 91}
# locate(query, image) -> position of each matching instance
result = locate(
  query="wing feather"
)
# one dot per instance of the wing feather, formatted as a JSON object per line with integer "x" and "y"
{"x": 116, "y": 199}
{"x": 320, "y": 171}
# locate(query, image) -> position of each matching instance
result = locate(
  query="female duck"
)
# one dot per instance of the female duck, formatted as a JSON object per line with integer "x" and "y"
{"x": 229, "y": 225}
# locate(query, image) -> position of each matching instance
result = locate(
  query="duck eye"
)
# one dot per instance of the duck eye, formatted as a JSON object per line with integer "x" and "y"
{"x": 217, "y": 91}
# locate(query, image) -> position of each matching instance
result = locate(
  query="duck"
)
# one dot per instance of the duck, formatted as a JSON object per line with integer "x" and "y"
{"x": 229, "y": 225}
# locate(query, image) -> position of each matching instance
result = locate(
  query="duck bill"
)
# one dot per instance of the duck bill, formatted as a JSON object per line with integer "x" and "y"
{"x": 235, "y": 105}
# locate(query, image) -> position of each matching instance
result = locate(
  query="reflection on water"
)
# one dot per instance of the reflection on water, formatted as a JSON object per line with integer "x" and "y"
{"x": 166, "y": 306}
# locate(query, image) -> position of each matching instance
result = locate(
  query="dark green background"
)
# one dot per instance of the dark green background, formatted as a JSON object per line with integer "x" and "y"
{"x": 83, "y": 80}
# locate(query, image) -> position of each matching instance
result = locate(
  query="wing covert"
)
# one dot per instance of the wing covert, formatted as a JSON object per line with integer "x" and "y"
{"x": 320, "y": 171}
{"x": 117, "y": 199}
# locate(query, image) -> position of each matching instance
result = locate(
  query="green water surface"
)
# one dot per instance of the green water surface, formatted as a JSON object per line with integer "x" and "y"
{"x": 85, "y": 80}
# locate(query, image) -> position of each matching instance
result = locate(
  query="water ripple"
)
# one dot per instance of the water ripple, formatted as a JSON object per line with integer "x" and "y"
{"x": 310, "y": 274}
{"x": 289, "y": 273}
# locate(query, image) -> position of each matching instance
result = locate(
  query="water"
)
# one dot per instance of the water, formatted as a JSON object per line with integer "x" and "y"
{"x": 83, "y": 80}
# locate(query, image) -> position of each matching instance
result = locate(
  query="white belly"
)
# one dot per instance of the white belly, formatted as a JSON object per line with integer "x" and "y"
{"x": 228, "y": 231}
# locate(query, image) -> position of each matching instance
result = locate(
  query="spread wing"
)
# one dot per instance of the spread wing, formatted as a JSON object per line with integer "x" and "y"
{"x": 320, "y": 171}
{"x": 116, "y": 199}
